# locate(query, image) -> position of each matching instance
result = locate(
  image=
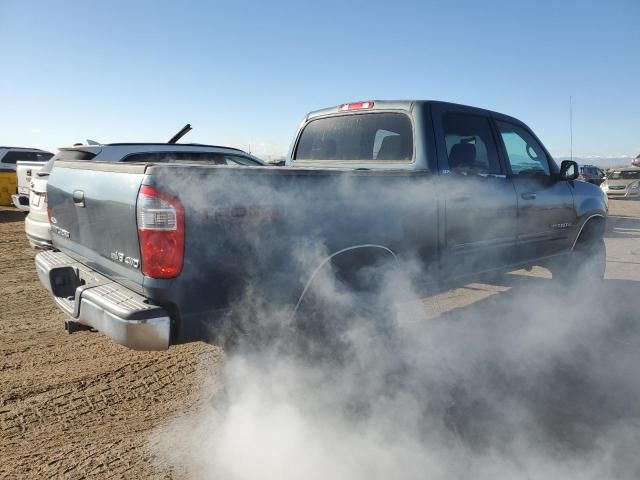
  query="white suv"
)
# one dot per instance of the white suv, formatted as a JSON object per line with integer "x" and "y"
{"x": 37, "y": 222}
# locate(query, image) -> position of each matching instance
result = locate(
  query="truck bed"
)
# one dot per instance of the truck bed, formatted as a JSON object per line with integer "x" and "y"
{"x": 260, "y": 229}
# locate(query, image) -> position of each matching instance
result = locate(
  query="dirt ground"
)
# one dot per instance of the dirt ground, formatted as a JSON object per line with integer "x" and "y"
{"x": 80, "y": 405}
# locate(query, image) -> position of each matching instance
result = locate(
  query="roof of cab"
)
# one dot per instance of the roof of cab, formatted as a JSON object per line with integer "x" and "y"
{"x": 407, "y": 105}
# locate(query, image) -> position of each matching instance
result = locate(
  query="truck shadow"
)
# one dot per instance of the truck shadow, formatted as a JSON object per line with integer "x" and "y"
{"x": 8, "y": 215}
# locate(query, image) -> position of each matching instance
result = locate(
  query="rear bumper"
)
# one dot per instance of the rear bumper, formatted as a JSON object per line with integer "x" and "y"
{"x": 37, "y": 232}
{"x": 21, "y": 202}
{"x": 93, "y": 300}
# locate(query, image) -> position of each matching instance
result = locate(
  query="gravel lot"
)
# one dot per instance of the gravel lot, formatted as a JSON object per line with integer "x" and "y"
{"x": 78, "y": 405}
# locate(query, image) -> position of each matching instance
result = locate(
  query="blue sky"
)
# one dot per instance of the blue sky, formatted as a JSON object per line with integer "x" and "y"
{"x": 245, "y": 73}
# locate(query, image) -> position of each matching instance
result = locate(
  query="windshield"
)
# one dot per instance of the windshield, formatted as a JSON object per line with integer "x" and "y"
{"x": 625, "y": 175}
{"x": 363, "y": 137}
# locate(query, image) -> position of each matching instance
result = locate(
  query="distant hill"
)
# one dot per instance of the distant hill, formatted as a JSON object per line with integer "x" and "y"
{"x": 603, "y": 162}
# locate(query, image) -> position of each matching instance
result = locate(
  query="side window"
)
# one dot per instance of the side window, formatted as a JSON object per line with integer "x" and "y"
{"x": 470, "y": 145}
{"x": 524, "y": 153}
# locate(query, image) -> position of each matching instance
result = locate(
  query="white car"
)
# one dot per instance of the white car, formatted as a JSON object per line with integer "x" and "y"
{"x": 9, "y": 156}
{"x": 37, "y": 225}
{"x": 622, "y": 183}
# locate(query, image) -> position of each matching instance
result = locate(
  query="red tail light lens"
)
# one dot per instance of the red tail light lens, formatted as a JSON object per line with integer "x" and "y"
{"x": 160, "y": 232}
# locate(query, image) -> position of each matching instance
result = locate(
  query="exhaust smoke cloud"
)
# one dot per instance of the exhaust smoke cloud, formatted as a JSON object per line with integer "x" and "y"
{"x": 538, "y": 381}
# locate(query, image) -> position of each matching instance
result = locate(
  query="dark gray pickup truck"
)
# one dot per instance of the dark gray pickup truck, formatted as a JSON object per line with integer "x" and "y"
{"x": 160, "y": 253}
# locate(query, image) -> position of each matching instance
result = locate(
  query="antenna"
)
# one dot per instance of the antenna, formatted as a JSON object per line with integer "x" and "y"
{"x": 570, "y": 127}
{"x": 183, "y": 131}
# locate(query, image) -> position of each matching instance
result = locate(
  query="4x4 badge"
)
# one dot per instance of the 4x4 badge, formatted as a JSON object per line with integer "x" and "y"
{"x": 122, "y": 258}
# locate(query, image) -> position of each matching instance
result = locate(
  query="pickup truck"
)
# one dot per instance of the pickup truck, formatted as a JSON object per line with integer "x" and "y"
{"x": 154, "y": 254}
{"x": 26, "y": 171}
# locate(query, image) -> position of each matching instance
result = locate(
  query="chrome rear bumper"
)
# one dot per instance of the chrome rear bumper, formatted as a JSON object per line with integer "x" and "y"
{"x": 93, "y": 300}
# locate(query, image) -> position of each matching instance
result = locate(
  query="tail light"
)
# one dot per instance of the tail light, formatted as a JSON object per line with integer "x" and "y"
{"x": 161, "y": 233}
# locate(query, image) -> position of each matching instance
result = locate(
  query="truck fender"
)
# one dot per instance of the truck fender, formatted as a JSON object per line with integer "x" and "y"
{"x": 591, "y": 219}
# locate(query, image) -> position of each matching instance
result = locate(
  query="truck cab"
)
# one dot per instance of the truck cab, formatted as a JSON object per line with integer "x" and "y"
{"x": 504, "y": 199}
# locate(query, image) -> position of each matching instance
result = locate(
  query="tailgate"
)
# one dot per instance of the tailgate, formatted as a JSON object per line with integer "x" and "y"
{"x": 25, "y": 171}
{"x": 93, "y": 215}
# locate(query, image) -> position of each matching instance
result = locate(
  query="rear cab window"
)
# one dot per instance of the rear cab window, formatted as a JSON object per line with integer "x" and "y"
{"x": 361, "y": 137}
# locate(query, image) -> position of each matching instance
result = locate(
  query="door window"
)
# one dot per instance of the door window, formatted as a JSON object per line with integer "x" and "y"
{"x": 524, "y": 153}
{"x": 470, "y": 145}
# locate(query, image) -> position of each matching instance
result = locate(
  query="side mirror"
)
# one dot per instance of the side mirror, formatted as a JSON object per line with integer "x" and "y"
{"x": 569, "y": 170}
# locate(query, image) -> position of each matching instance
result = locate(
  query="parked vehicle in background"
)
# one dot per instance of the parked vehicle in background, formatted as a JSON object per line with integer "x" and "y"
{"x": 9, "y": 156}
{"x": 153, "y": 253}
{"x": 636, "y": 162}
{"x": 37, "y": 225}
{"x": 25, "y": 171}
{"x": 622, "y": 183}
{"x": 591, "y": 174}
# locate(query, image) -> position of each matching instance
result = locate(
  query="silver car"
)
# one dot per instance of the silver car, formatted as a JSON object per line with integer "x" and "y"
{"x": 37, "y": 225}
{"x": 622, "y": 183}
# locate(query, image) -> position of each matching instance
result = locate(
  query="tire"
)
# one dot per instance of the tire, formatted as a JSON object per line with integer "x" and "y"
{"x": 585, "y": 264}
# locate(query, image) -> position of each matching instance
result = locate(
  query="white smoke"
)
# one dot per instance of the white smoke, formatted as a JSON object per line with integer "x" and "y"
{"x": 534, "y": 382}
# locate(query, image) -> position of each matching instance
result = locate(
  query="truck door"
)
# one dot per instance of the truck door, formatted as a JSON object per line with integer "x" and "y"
{"x": 480, "y": 207}
{"x": 546, "y": 212}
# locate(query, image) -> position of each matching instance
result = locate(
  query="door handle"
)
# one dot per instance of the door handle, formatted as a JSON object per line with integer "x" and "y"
{"x": 78, "y": 198}
{"x": 528, "y": 196}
